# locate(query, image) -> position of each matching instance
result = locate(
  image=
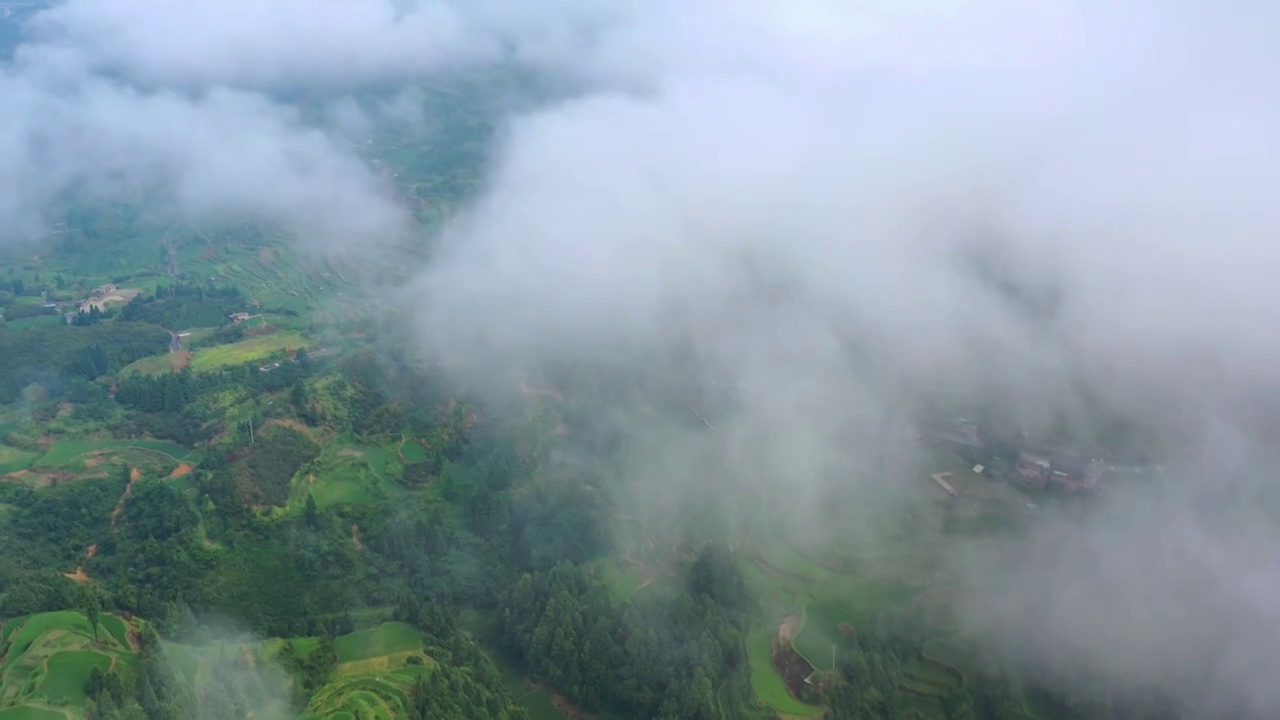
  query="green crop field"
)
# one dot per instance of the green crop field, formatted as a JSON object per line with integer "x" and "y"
{"x": 154, "y": 365}
{"x": 413, "y": 452}
{"x": 342, "y": 491}
{"x": 821, "y": 631}
{"x": 37, "y": 625}
{"x": 68, "y": 673}
{"x": 250, "y": 350}
{"x": 375, "y": 698}
{"x": 46, "y": 660}
{"x": 376, "y": 670}
{"x": 766, "y": 682}
{"x": 385, "y": 639}
{"x": 347, "y": 474}
{"x": 12, "y": 459}
{"x": 65, "y": 451}
{"x": 116, "y": 627}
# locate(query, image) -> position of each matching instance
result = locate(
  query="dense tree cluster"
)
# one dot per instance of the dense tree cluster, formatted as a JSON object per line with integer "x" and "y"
{"x": 262, "y": 472}
{"x": 50, "y": 356}
{"x": 183, "y": 305}
{"x": 661, "y": 657}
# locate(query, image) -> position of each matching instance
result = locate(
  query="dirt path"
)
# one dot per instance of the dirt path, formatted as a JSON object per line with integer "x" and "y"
{"x": 291, "y": 424}
{"x": 128, "y": 447}
{"x": 134, "y": 476}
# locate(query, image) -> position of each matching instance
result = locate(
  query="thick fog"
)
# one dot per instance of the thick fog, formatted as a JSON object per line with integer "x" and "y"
{"x": 841, "y": 210}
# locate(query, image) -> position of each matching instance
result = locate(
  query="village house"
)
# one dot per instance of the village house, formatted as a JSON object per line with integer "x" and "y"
{"x": 1033, "y": 469}
{"x": 1062, "y": 473}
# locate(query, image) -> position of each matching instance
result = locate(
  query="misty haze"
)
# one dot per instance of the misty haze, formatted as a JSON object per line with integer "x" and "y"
{"x": 586, "y": 360}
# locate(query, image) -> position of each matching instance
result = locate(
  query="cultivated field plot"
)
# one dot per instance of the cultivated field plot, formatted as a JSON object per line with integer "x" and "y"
{"x": 64, "y": 452}
{"x": 12, "y": 459}
{"x": 824, "y": 626}
{"x": 376, "y": 670}
{"x": 46, "y": 659}
{"x": 412, "y": 451}
{"x": 156, "y": 365}
{"x": 766, "y": 682}
{"x": 254, "y": 349}
{"x": 347, "y": 473}
{"x": 387, "y": 638}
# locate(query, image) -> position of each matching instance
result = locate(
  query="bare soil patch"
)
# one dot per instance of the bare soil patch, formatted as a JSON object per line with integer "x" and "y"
{"x": 181, "y": 470}
{"x": 37, "y": 479}
{"x": 91, "y": 551}
{"x": 94, "y": 461}
{"x": 350, "y": 452}
{"x": 179, "y": 360}
{"x": 355, "y": 536}
{"x": 79, "y": 576}
{"x": 569, "y": 709}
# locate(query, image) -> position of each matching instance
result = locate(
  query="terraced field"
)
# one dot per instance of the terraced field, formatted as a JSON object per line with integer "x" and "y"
{"x": 47, "y": 659}
{"x": 66, "y": 451}
{"x": 346, "y": 473}
{"x": 376, "y": 671}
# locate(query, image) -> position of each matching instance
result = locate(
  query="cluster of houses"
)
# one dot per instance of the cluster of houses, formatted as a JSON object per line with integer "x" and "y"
{"x": 1034, "y": 466}
{"x": 1066, "y": 474}
{"x": 102, "y": 291}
